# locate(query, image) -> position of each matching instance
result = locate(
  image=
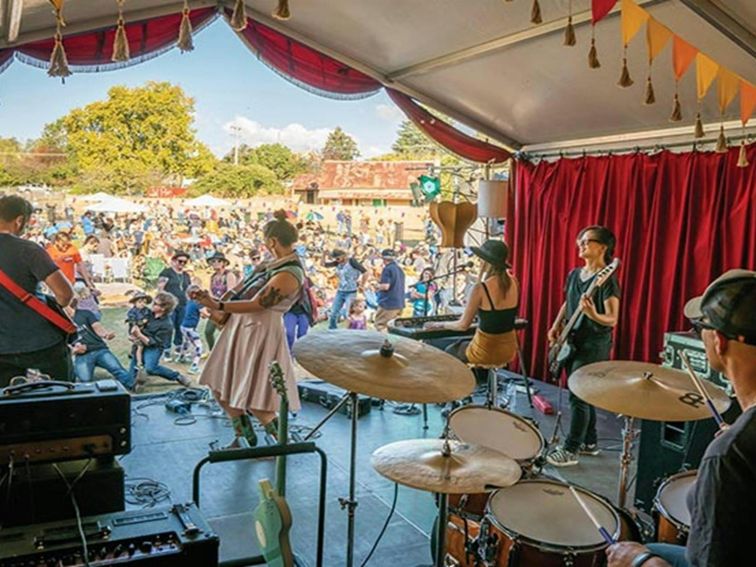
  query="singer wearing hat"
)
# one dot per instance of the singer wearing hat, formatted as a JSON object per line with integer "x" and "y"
{"x": 494, "y": 301}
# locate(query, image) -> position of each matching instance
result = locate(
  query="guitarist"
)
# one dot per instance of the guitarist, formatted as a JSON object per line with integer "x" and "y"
{"x": 592, "y": 337}
{"x": 28, "y": 340}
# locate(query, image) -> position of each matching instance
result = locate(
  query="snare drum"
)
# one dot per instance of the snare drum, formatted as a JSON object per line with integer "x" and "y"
{"x": 673, "y": 518}
{"x": 495, "y": 429}
{"x": 539, "y": 522}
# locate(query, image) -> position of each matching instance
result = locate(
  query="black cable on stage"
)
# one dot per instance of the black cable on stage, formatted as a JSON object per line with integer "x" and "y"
{"x": 145, "y": 492}
{"x": 72, "y": 496}
{"x": 385, "y": 525}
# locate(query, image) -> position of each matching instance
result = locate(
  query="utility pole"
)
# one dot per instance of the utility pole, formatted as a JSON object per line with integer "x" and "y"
{"x": 236, "y": 133}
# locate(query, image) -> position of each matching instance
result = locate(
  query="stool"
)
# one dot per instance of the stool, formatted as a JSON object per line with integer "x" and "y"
{"x": 492, "y": 394}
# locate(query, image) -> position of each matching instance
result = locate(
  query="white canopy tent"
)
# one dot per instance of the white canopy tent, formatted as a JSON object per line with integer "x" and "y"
{"x": 96, "y": 197}
{"x": 116, "y": 205}
{"x": 482, "y": 62}
{"x": 207, "y": 201}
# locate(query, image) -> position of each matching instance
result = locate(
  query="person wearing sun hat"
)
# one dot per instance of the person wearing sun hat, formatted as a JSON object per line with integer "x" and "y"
{"x": 221, "y": 280}
{"x": 495, "y": 301}
{"x": 722, "y": 502}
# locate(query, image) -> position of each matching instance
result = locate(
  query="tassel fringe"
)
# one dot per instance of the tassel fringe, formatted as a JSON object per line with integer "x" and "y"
{"x": 282, "y": 10}
{"x": 625, "y": 80}
{"x": 185, "y": 41}
{"x": 650, "y": 97}
{"x": 721, "y": 146}
{"x": 593, "y": 61}
{"x": 742, "y": 157}
{"x": 239, "y": 17}
{"x": 698, "y": 132}
{"x": 58, "y": 60}
{"x": 676, "y": 110}
{"x": 569, "y": 33}
{"x": 535, "y": 13}
{"x": 120, "y": 44}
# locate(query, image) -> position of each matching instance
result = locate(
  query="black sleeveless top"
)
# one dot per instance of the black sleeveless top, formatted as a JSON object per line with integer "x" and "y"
{"x": 496, "y": 321}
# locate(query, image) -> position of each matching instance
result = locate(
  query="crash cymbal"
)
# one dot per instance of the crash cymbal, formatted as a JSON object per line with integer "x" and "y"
{"x": 469, "y": 469}
{"x": 645, "y": 391}
{"x": 413, "y": 373}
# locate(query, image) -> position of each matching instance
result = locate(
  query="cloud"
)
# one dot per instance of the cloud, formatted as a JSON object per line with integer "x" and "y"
{"x": 295, "y": 136}
{"x": 373, "y": 151}
{"x": 389, "y": 112}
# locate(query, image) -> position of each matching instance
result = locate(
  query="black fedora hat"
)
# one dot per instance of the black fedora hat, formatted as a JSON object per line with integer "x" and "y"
{"x": 218, "y": 256}
{"x": 495, "y": 252}
{"x": 140, "y": 295}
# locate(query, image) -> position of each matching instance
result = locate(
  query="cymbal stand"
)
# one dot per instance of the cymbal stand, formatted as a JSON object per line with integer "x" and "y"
{"x": 443, "y": 509}
{"x": 626, "y": 459}
{"x": 558, "y": 422}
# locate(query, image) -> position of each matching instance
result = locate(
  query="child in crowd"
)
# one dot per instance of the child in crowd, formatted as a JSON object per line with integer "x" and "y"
{"x": 357, "y": 317}
{"x": 138, "y": 316}
{"x": 189, "y": 325}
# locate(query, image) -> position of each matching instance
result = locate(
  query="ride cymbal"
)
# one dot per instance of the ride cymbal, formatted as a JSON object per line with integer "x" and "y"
{"x": 469, "y": 469}
{"x": 645, "y": 391}
{"x": 413, "y": 373}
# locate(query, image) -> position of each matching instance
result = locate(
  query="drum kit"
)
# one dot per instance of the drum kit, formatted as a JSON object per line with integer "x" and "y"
{"x": 486, "y": 466}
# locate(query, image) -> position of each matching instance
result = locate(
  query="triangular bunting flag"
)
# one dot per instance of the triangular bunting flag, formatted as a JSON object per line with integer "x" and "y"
{"x": 683, "y": 55}
{"x": 747, "y": 101}
{"x": 600, "y": 8}
{"x": 728, "y": 85}
{"x": 633, "y": 18}
{"x": 706, "y": 72}
{"x": 657, "y": 36}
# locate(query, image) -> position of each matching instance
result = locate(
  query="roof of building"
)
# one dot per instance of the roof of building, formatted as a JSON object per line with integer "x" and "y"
{"x": 371, "y": 175}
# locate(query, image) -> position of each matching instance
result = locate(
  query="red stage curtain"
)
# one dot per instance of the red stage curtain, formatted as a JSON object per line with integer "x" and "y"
{"x": 680, "y": 220}
{"x": 92, "y": 51}
{"x": 304, "y": 66}
{"x": 6, "y": 58}
{"x": 449, "y": 137}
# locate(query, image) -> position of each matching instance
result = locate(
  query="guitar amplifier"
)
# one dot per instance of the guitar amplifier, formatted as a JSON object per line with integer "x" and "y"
{"x": 44, "y": 422}
{"x": 164, "y": 537}
{"x": 327, "y": 395}
{"x": 668, "y": 447}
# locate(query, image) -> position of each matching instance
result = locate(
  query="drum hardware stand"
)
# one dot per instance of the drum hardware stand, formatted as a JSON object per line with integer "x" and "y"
{"x": 558, "y": 422}
{"x": 443, "y": 508}
{"x": 626, "y": 459}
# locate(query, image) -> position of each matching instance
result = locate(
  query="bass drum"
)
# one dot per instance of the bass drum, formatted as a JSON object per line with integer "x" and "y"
{"x": 496, "y": 429}
{"x": 671, "y": 508}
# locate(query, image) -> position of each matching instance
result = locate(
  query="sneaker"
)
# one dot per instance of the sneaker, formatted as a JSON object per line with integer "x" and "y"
{"x": 167, "y": 357}
{"x": 590, "y": 449}
{"x": 185, "y": 381}
{"x": 193, "y": 369}
{"x": 561, "y": 458}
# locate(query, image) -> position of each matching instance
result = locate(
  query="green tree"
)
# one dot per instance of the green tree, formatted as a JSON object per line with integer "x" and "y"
{"x": 138, "y": 136}
{"x": 238, "y": 181}
{"x": 413, "y": 144}
{"x": 280, "y": 159}
{"x": 340, "y": 146}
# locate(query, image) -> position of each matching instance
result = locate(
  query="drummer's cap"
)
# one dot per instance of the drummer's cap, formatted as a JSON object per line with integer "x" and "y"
{"x": 728, "y": 305}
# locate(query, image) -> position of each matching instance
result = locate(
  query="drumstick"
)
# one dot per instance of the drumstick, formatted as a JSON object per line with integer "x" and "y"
{"x": 701, "y": 390}
{"x": 605, "y": 534}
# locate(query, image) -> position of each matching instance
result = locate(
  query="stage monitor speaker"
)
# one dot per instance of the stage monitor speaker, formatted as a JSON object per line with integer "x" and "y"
{"x": 493, "y": 199}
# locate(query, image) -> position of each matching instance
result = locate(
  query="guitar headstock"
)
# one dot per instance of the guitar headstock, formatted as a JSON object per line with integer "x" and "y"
{"x": 604, "y": 273}
{"x": 277, "y": 379}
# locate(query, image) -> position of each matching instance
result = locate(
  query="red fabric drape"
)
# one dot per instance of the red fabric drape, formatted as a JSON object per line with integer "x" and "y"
{"x": 92, "y": 51}
{"x": 306, "y": 66}
{"x": 680, "y": 220}
{"x": 449, "y": 137}
{"x": 6, "y": 57}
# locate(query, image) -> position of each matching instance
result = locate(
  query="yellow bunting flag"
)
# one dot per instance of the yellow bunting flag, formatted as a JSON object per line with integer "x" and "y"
{"x": 683, "y": 55}
{"x": 706, "y": 72}
{"x": 728, "y": 85}
{"x": 747, "y": 101}
{"x": 657, "y": 36}
{"x": 633, "y": 18}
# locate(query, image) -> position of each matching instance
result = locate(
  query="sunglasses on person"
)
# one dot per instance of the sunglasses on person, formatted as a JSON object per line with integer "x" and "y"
{"x": 254, "y": 258}
{"x": 587, "y": 241}
{"x": 181, "y": 262}
{"x": 699, "y": 325}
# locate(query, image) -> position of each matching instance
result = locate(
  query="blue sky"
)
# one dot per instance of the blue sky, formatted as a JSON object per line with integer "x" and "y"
{"x": 229, "y": 85}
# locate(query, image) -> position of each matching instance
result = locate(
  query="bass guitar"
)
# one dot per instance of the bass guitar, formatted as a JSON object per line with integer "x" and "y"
{"x": 563, "y": 348}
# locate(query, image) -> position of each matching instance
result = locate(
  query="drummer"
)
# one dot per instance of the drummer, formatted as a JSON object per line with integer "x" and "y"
{"x": 723, "y": 503}
{"x": 494, "y": 301}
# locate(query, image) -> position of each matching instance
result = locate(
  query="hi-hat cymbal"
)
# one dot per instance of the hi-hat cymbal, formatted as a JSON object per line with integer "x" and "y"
{"x": 645, "y": 391}
{"x": 469, "y": 469}
{"x": 414, "y": 373}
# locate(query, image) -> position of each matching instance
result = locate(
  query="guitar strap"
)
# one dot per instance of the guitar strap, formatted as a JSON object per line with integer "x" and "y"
{"x": 37, "y": 305}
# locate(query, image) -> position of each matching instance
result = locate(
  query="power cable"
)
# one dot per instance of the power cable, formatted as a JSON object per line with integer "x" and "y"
{"x": 385, "y": 526}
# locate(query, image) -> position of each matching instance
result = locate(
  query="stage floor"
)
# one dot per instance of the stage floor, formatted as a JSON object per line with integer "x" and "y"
{"x": 167, "y": 452}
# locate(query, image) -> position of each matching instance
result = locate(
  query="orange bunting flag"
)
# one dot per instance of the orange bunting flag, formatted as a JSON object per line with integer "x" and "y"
{"x": 633, "y": 18}
{"x": 57, "y": 4}
{"x": 706, "y": 72}
{"x": 728, "y": 85}
{"x": 747, "y": 101}
{"x": 683, "y": 55}
{"x": 657, "y": 37}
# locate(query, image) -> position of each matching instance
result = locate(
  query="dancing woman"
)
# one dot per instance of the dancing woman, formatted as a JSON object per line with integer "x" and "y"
{"x": 254, "y": 336}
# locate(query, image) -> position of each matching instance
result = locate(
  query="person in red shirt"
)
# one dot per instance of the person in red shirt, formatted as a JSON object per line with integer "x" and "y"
{"x": 66, "y": 256}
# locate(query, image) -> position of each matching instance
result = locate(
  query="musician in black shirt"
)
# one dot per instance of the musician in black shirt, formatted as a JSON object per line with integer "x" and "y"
{"x": 591, "y": 339}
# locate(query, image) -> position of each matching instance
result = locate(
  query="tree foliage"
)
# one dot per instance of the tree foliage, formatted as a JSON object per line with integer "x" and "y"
{"x": 280, "y": 159}
{"x": 412, "y": 144}
{"x": 238, "y": 181}
{"x": 340, "y": 146}
{"x": 137, "y": 137}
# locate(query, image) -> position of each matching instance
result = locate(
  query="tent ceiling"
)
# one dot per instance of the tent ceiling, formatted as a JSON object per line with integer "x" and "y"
{"x": 481, "y": 61}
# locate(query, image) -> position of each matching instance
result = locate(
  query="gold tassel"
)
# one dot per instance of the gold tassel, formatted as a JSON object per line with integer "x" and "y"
{"x": 120, "y": 43}
{"x": 239, "y": 17}
{"x": 535, "y": 13}
{"x": 676, "y": 110}
{"x": 650, "y": 98}
{"x": 282, "y": 10}
{"x": 698, "y": 132}
{"x": 58, "y": 60}
{"x": 185, "y": 42}
{"x": 742, "y": 157}
{"x": 593, "y": 61}
{"x": 721, "y": 147}
{"x": 625, "y": 80}
{"x": 569, "y": 33}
